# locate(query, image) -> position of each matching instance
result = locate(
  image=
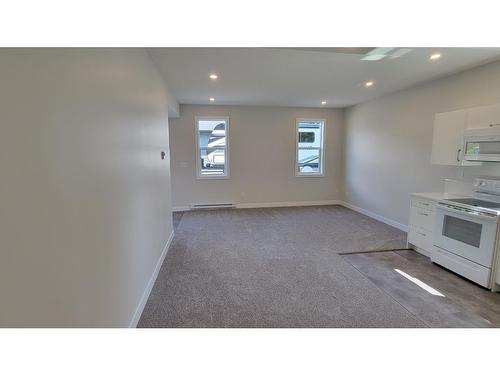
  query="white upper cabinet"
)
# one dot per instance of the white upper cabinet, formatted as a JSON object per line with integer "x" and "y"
{"x": 483, "y": 117}
{"x": 447, "y": 137}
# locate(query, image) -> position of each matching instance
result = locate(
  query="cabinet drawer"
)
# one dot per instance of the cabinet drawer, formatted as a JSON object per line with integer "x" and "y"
{"x": 420, "y": 237}
{"x": 422, "y": 203}
{"x": 422, "y": 218}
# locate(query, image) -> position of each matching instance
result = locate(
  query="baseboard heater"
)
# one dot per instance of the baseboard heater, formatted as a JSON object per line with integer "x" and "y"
{"x": 211, "y": 206}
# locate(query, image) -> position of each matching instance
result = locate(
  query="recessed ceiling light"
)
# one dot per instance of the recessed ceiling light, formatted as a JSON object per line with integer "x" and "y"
{"x": 211, "y": 99}
{"x": 323, "y": 102}
{"x": 369, "y": 83}
{"x": 435, "y": 56}
{"x": 213, "y": 76}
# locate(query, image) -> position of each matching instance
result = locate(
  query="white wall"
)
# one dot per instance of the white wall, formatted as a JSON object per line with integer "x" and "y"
{"x": 262, "y": 152}
{"x": 388, "y": 141}
{"x": 85, "y": 207}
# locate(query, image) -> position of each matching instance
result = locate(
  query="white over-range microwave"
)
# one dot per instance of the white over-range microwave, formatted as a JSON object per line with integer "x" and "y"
{"x": 482, "y": 144}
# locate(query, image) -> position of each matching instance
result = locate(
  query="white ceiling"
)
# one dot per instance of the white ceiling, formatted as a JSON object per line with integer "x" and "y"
{"x": 302, "y": 77}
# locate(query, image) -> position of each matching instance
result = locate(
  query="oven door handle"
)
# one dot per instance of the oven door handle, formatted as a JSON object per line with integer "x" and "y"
{"x": 460, "y": 211}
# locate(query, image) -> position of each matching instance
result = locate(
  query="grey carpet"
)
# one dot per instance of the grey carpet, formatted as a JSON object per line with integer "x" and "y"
{"x": 274, "y": 267}
{"x": 176, "y": 219}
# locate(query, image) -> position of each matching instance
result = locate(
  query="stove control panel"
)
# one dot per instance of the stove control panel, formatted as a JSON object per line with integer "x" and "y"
{"x": 487, "y": 185}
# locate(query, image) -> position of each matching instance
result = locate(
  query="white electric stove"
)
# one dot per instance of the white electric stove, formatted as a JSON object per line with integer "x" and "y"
{"x": 466, "y": 233}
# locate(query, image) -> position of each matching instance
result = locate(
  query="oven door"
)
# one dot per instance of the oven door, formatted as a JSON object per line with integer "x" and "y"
{"x": 469, "y": 235}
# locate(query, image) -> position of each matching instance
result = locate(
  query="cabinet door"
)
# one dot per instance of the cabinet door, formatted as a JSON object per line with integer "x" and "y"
{"x": 447, "y": 137}
{"x": 483, "y": 117}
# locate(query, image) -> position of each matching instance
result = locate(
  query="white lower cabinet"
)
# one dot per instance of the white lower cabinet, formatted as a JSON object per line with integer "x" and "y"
{"x": 420, "y": 238}
{"x": 422, "y": 218}
{"x": 420, "y": 230}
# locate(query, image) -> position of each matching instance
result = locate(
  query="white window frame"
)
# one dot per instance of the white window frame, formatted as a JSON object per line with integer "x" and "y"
{"x": 226, "y": 174}
{"x": 321, "y": 172}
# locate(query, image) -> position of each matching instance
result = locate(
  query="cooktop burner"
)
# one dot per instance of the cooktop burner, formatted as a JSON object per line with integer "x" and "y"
{"x": 477, "y": 203}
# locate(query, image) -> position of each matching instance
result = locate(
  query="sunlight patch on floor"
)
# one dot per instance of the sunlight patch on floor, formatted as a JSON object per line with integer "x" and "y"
{"x": 420, "y": 283}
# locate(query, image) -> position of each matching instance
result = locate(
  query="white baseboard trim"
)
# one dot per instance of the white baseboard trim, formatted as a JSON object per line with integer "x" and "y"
{"x": 151, "y": 283}
{"x": 287, "y": 204}
{"x": 270, "y": 204}
{"x": 375, "y": 216}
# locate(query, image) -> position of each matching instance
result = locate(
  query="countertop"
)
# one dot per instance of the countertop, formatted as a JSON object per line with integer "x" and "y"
{"x": 438, "y": 196}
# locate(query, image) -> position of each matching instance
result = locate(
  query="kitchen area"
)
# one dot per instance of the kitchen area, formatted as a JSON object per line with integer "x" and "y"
{"x": 458, "y": 228}
{"x": 450, "y": 275}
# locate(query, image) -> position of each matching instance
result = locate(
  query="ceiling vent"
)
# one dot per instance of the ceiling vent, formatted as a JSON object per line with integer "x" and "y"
{"x": 344, "y": 50}
{"x": 380, "y": 53}
{"x": 366, "y": 53}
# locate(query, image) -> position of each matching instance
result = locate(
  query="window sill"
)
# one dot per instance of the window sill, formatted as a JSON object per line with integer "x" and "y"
{"x": 212, "y": 177}
{"x": 310, "y": 175}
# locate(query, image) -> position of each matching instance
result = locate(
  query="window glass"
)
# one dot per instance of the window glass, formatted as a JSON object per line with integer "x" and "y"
{"x": 212, "y": 147}
{"x": 308, "y": 161}
{"x": 309, "y": 147}
{"x": 306, "y": 137}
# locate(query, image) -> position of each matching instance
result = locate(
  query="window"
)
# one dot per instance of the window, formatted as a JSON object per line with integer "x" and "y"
{"x": 309, "y": 160}
{"x": 306, "y": 137}
{"x": 212, "y": 147}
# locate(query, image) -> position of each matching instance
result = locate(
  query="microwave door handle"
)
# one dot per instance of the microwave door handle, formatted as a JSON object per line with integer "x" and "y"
{"x": 460, "y": 212}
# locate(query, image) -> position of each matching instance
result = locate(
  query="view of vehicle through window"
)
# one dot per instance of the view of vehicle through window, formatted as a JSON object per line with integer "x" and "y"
{"x": 212, "y": 147}
{"x": 309, "y": 147}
